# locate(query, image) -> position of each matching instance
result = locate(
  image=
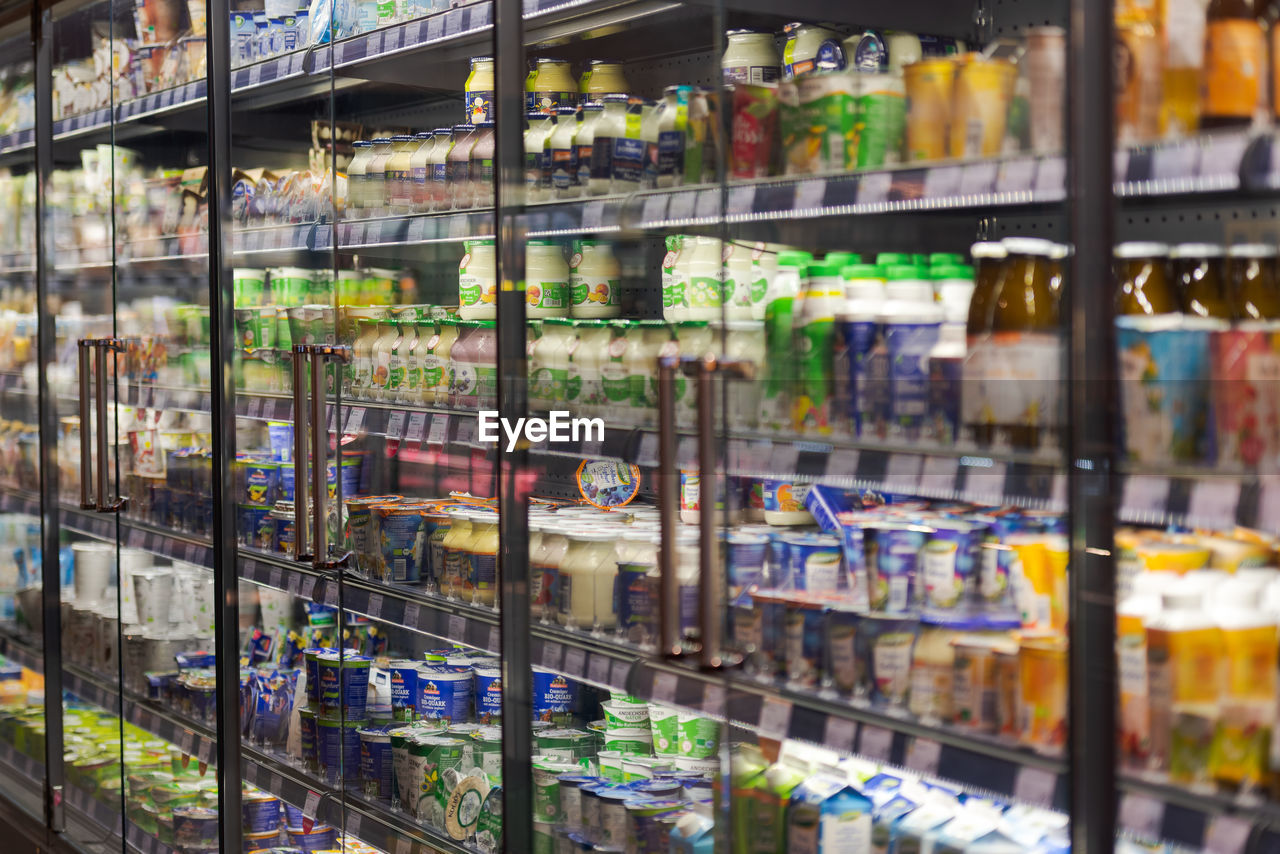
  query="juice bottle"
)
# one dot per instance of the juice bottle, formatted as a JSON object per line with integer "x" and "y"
{"x": 1184, "y": 675}
{"x": 1132, "y": 614}
{"x": 458, "y": 167}
{"x": 1247, "y": 700}
{"x": 1184, "y": 25}
{"x": 1251, "y": 277}
{"x": 356, "y": 175}
{"x": 814, "y": 324}
{"x": 1198, "y": 276}
{"x": 388, "y": 335}
{"x": 361, "y": 373}
{"x": 975, "y": 406}
{"x": 1142, "y": 279}
{"x": 438, "y": 170}
{"x": 1235, "y": 65}
{"x": 1022, "y": 359}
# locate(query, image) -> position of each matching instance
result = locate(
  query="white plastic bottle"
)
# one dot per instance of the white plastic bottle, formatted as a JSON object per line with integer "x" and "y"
{"x": 859, "y": 324}
{"x": 737, "y": 280}
{"x": 911, "y": 321}
{"x": 595, "y": 279}
{"x": 546, "y": 279}
{"x": 608, "y": 130}
{"x": 564, "y": 155}
{"x": 586, "y": 366}
{"x": 649, "y": 340}
{"x": 558, "y": 339}
{"x": 584, "y": 141}
{"x": 946, "y": 368}
{"x": 478, "y": 281}
{"x": 705, "y": 292}
{"x": 540, "y": 128}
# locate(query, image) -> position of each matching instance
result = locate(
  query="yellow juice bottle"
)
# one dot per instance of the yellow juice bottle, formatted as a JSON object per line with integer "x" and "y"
{"x": 1184, "y": 666}
{"x": 1247, "y": 696}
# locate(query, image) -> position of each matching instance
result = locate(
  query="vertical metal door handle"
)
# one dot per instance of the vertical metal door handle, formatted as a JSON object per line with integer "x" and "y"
{"x": 321, "y": 356}
{"x": 85, "y": 347}
{"x": 300, "y": 420}
{"x": 669, "y": 639}
{"x": 319, "y": 460}
{"x": 107, "y": 348}
{"x": 709, "y": 586}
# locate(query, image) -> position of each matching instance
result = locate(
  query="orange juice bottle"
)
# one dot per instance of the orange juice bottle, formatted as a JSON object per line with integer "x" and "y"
{"x": 1235, "y": 65}
{"x": 1184, "y": 666}
{"x": 1247, "y": 697}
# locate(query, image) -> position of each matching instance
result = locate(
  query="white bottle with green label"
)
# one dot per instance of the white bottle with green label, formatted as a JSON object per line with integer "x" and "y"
{"x": 595, "y": 279}
{"x": 546, "y": 279}
{"x": 478, "y": 281}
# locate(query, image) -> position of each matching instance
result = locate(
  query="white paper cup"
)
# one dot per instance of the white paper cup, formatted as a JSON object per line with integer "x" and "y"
{"x": 93, "y": 564}
{"x": 154, "y": 592}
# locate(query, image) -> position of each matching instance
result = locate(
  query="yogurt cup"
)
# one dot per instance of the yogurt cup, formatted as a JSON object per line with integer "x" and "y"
{"x": 444, "y": 692}
{"x": 261, "y": 813}
{"x": 344, "y": 683}
{"x": 375, "y": 761}
{"x": 664, "y": 728}
{"x": 625, "y": 715}
{"x": 338, "y": 747}
{"x": 195, "y": 828}
{"x": 488, "y": 691}
{"x": 629, "y": 741}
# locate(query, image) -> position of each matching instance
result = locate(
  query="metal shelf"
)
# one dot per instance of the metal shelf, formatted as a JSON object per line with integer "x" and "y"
{"x": 159, "y": 541}
{"x": 1204, "y": 497}
{"x": 1198, "y": 817}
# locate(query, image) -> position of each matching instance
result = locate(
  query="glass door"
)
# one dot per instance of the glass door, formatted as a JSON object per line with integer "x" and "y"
{"x": 129, "y": 377}
{"x": 363, "y": 181}
{"x": 21, "y": 604}
{"x": 842, "y": 587}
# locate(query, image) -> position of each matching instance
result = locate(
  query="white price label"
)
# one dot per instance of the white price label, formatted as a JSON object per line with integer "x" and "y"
{"x": 466, "y": 431}
{"x": 439, "y": 432}
{"x": 1120, "y": 166}
{"x": 293, "y": 584}
{"x": 647, "y": 454}
{"x": 1051, "y": 178}
{"x": 1142, "y": 815}
{"x": 1214, "y": 501}
{"x": 375, "y": 605}
{"x": 373, "y": 233}
{"x": 1145, "y": 495}
{"x": 1226, "y": 834}
{"x": 411, "y": 33}
{"x": 810, "y": 194}
{"x": 942, "y": 182}
{"x": 839, "y": 734}
{"x": 355, "y": 421}
{"x": 495, "y": 639}
{"x": 876, "y": 742}
{"x": 331, "y": 594}
{"x": 682, "y": 205}
{"x": 1016, "y": 176}
{"x": 551, "y": 655}
{"x": 411, "y": 614}
{"x": 255, "y": 74}
{"x": 395, "y": 424}
{"x": 417, "y": 423}
{"x": 404, "y": 846}
{"x": 204, "y": 750}
{"x": 655, "y": 209}
{"x": 274, "y": 579}
{"x": 978, "y": 178}
{"x": 574, "y": 662}
{"x": 311, "y": 803}
{"x": 188, "y": 742}
{"x": 939, "y": 474}
{"x": 598, "y": 669}
{"x": 255, "y": 407}
{"x": 783, "y": 458}
{"x": 843, "y": 462}
{"x": 308, "y": 586}
{"x": 775, "y": 717}
{"x": 903, "y": 474}
{"x": 664, "y": 687}
{"x": 708, "y": 204}
{"x": 457, "y": 628}
{"x": 1176, "y": 162}
{"x": 873, "y": 188}
{"x": 1035, "y": 786}
{"x": 741, "y": 199}
{"x": 687, "y": 452}
{"x": 923, "y": 755}
{"x": 353, "y": 823}
{"x": 593, "y": 215}
{"x": 620, "y": 673}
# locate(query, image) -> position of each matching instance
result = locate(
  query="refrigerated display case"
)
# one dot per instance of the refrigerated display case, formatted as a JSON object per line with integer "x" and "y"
{"x": 625, "y": 425}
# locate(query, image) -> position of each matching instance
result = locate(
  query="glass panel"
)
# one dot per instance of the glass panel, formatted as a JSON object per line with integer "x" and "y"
{"x": 347, "y": 255}
{"x": 1196, "y": 625}
{"x": 22, "y": 747}
{"x": 129, "y": 284}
